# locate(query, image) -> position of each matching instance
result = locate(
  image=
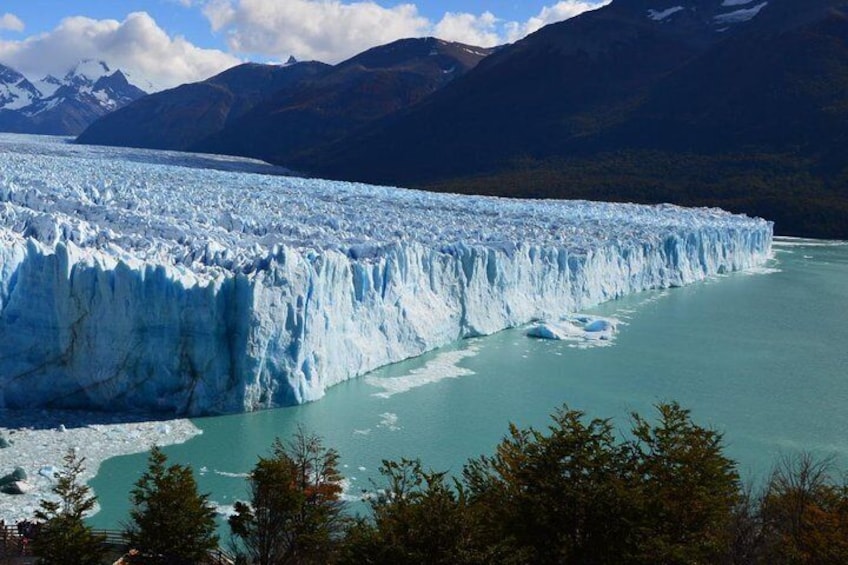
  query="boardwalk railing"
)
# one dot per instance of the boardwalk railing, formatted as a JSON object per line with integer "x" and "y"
{"x": 13, "y": 542}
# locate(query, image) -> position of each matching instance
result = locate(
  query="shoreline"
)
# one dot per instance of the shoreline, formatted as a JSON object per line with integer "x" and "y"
{"x": 41, "y": 438}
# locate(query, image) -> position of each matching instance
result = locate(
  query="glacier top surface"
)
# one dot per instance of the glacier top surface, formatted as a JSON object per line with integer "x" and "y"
{"x": 215, "y": 214}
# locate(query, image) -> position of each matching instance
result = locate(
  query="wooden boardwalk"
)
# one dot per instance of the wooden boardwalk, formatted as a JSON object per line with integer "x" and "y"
{"x": 15, "y": 549}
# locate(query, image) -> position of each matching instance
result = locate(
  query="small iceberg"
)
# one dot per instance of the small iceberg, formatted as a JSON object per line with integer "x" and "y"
{"x": 584, "y": 331}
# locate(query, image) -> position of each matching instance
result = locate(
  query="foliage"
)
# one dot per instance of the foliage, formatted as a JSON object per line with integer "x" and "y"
{"x": 557, "y": 497}
{"x": 572, "y": 495}
{"x": 685, "y": 489}
{"x": 418, "y": 518}
{"x": 575, "y": 493}
{"x": 171, "y": 522}
{"x": 65, "y": 537}
{"x": 804, "y": 514}
{"x": 801, "y": 194}
{"x": 294, "y": 515}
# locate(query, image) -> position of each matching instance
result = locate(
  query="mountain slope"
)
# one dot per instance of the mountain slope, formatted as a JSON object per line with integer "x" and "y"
{"x": 527, "y": 99}
{"x": 373, "y": 84}
{"x": 183, "y": 116}
{"x": 66, "y": 106}
{"x": 740, "y": 105}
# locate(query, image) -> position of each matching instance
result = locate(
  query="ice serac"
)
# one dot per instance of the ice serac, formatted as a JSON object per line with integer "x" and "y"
{"x": 132, "y": 279}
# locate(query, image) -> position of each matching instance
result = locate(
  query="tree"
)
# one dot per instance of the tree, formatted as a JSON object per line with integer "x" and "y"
{"x": 559, "y": 497}
{"x": 172, "y": 524}
{"x": 804, "y": 514}
{"x": 418, "y": 519}
{"x": 65, "y": 537}
{"x": 686, "y": 490}
{"x": 294, "y": 513}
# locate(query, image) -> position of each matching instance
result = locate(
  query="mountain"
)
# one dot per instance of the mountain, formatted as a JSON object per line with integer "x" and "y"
{"x": 274, "y": 112}
{"x": 736, "y": 103}
{"x": 183, "y": 116}
{"x": 354, "y": 93}
{"x": 62, "y": 106}
{"x": 15, "y": 90}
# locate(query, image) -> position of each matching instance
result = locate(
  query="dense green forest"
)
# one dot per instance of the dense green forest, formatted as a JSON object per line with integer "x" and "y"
{"x": 755, "y": 184}
{"x": 579, "y": 492}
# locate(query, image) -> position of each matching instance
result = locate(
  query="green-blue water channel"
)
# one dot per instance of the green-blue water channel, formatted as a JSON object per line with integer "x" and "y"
{"x": 762, "y": 357}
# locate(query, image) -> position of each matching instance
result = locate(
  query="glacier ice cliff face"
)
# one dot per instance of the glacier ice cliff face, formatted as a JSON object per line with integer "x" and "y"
{"x": 132, "y": 279}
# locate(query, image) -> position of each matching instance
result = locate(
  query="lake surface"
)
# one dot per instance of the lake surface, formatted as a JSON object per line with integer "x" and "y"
{"x": 760, "y": 356}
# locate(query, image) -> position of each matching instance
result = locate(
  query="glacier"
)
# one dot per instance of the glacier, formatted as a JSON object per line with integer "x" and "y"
{"x": 196, "y": 284}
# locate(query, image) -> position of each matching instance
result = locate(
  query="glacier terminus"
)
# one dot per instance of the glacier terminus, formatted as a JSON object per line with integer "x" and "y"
{"x": 193, "y": 284}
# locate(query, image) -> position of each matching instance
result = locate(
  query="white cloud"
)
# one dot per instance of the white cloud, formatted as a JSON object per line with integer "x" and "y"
{"x": 11, "y": 22}
{"x": 333, "y": 30}
{"x": 326, "y": 30}
{"x": 467, "y": 28}
{"x": 136, "y": 44}
{"x": 560, "y": 11}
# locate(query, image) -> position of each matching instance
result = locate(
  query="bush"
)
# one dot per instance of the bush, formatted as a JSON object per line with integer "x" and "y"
{"x": 172, "y": 524}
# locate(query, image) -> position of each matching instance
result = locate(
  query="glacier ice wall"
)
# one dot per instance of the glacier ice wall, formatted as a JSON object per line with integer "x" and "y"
{"x": 134, "y": 279}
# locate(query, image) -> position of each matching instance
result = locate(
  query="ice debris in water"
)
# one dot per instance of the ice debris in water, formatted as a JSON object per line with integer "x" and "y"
{"x": 581, "y": 330}
{"x": 133, "y": 279}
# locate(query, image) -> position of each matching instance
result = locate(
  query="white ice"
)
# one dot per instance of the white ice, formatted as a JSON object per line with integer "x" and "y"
{"x": 444, "y": 366}
{"x": 40, "y": 450}
{"x": 738, "y": 16}
{"x": 134, "y": 279}
{"x": 659, "y": 15}
{"x": 582, "y": 331}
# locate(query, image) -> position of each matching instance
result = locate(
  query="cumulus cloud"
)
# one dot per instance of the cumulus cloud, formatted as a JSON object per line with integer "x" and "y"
{"x": 326, "y": 30}
{"x": 333, "y": 30}
{"x": 479, "y": 30}
{"x": 11, "y": 22}
{"x": 550, "y": 14}
{"x": 136, "y": 44}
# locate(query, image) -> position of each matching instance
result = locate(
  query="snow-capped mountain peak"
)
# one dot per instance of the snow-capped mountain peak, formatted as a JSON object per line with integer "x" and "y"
{"x": 63, "y": 106}
{"x": 15, "y": 90}
{"x": 89, "y": 70}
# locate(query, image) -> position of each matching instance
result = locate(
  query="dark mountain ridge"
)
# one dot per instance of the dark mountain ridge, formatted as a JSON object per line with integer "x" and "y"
{"x": 697, "y": 107}
{"x": 274, "y": 112}
{"x": 181, "y": 117}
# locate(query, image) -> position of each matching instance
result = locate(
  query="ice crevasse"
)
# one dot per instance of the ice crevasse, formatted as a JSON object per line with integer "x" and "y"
{"x": 132, "y": 279}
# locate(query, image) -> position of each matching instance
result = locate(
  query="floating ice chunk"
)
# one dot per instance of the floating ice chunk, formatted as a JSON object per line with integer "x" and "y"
{"x": 389, "y": 420}
{"x": 232, "y": 475}
{"x": 584, "y": 331}
{"x": 599, "y": 325}
{"x": 443, "y": 366}
{"x": 48, "y": 471}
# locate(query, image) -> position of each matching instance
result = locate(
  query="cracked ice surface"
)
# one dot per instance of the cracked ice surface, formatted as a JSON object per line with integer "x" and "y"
{"x": 134, "y": 279}
{"x": 39, "y": 450}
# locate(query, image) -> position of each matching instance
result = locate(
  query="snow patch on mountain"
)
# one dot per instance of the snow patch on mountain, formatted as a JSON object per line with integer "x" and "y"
{"x": 131, "y": 279}
{"x": 659, "y": 15}
{"x": 15, "y": 90}
{"x": 739, "y": 16}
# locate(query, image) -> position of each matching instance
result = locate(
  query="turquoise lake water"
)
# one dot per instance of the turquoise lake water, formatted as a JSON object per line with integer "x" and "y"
{"x": 762, "y": 357}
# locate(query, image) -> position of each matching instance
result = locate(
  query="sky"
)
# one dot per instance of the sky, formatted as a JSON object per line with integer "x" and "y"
{"x": 171, "y": 42}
